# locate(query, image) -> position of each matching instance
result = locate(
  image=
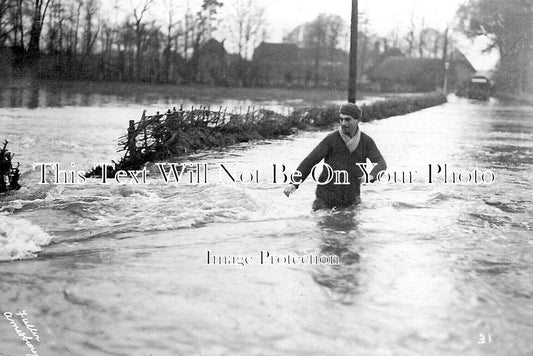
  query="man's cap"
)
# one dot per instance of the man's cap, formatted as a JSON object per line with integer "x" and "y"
{"x": 352, "y": 110}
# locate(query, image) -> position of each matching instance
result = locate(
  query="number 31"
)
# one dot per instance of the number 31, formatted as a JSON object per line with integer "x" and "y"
{"x": 483, "y": 340}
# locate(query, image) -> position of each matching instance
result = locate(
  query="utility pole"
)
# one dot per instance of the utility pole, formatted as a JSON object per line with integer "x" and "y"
{"x": 352, "y": 77}
{"x": 445, "y": 62}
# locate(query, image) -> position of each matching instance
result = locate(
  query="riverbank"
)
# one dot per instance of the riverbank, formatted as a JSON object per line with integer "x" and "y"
{"x": 194, "y": 92}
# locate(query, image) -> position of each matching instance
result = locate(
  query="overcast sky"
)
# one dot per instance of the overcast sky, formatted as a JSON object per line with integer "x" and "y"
{"x": 384, "y": 15}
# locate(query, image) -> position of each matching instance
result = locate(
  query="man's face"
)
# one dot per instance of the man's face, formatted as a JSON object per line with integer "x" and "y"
{"x": 348, "y": 124}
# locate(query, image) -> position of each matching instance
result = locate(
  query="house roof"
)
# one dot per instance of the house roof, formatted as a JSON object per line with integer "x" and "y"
{"x": 335, "y": 55}
{"x": 402, "y": 69}
{"x": 276, "y": 51}
{"x": 289, "y": 52}
{"x": 213, "y": 45}
{"x": 458, "y": 56}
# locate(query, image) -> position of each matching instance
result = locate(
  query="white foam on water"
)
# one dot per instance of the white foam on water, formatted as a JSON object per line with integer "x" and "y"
{"x": 20, "y": 239}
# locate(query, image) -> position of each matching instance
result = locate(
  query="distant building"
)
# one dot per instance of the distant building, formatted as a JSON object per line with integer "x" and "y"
{"x": 400, "y": 73}
{"x": 213, "y": 63}
{"x": 276, "y": 64}
{"x": 286, "y": 64}
{"x": 460, "y": 69}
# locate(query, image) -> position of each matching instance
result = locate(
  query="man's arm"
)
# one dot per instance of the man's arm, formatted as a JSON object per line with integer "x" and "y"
{"x": 313, "y": 158}
{"x": 375, "y": 156}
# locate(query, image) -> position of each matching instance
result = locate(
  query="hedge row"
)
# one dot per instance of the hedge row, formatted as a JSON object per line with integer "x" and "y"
{"x": 376, "y": 111}
{"x": 178, "y": 132}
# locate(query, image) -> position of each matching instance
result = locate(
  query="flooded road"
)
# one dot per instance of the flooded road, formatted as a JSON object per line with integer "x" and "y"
{"x": 425, "y": 268}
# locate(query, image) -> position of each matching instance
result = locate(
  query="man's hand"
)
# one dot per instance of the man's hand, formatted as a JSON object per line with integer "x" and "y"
{"x": 289, "y": 189}
{"x": 362, "y": 179}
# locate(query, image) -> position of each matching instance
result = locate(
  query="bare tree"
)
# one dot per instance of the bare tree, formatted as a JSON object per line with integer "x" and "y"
{"x": 75, "y": 14}
{"x": 410, "y": 38}
{"x": 322, "y": 35}
{"x": 187, "y": 31}
{"x": 205, "y": 23}
{"x": 16, "y": 19}
{"x": 39, "y": 14}
{"x": 207, "y": 20}
{"x": 55, "y": 27}
{"x": 172, "y": 34}
{"x": 421, "y": 39}
{"x": 91, "y": 8}
{"x": 111, "y": 34}
{"x": 139, "y": 27}
{"x": 5, "y": 5}
{"x": 431, "y": 43}
{"x": 247, "y": 22}
{"x": 246, "y": 26}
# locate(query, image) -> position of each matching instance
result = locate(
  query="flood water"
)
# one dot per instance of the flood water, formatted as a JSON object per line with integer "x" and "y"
{"x": 425, "y": 268}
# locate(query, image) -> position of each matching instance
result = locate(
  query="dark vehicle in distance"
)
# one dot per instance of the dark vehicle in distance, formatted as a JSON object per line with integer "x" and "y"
{"x": 479, "y": 88}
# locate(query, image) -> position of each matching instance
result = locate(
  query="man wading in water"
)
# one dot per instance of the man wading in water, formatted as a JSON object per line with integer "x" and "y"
{"x": 342, "y": 150}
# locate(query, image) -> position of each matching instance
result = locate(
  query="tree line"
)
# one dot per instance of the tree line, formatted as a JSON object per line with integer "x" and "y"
{"x": 160, "y": 40}
{"x": 147, "y": 40}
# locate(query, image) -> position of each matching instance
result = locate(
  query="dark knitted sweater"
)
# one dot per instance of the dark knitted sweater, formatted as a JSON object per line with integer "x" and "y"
{"x": 335, "y": 153}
